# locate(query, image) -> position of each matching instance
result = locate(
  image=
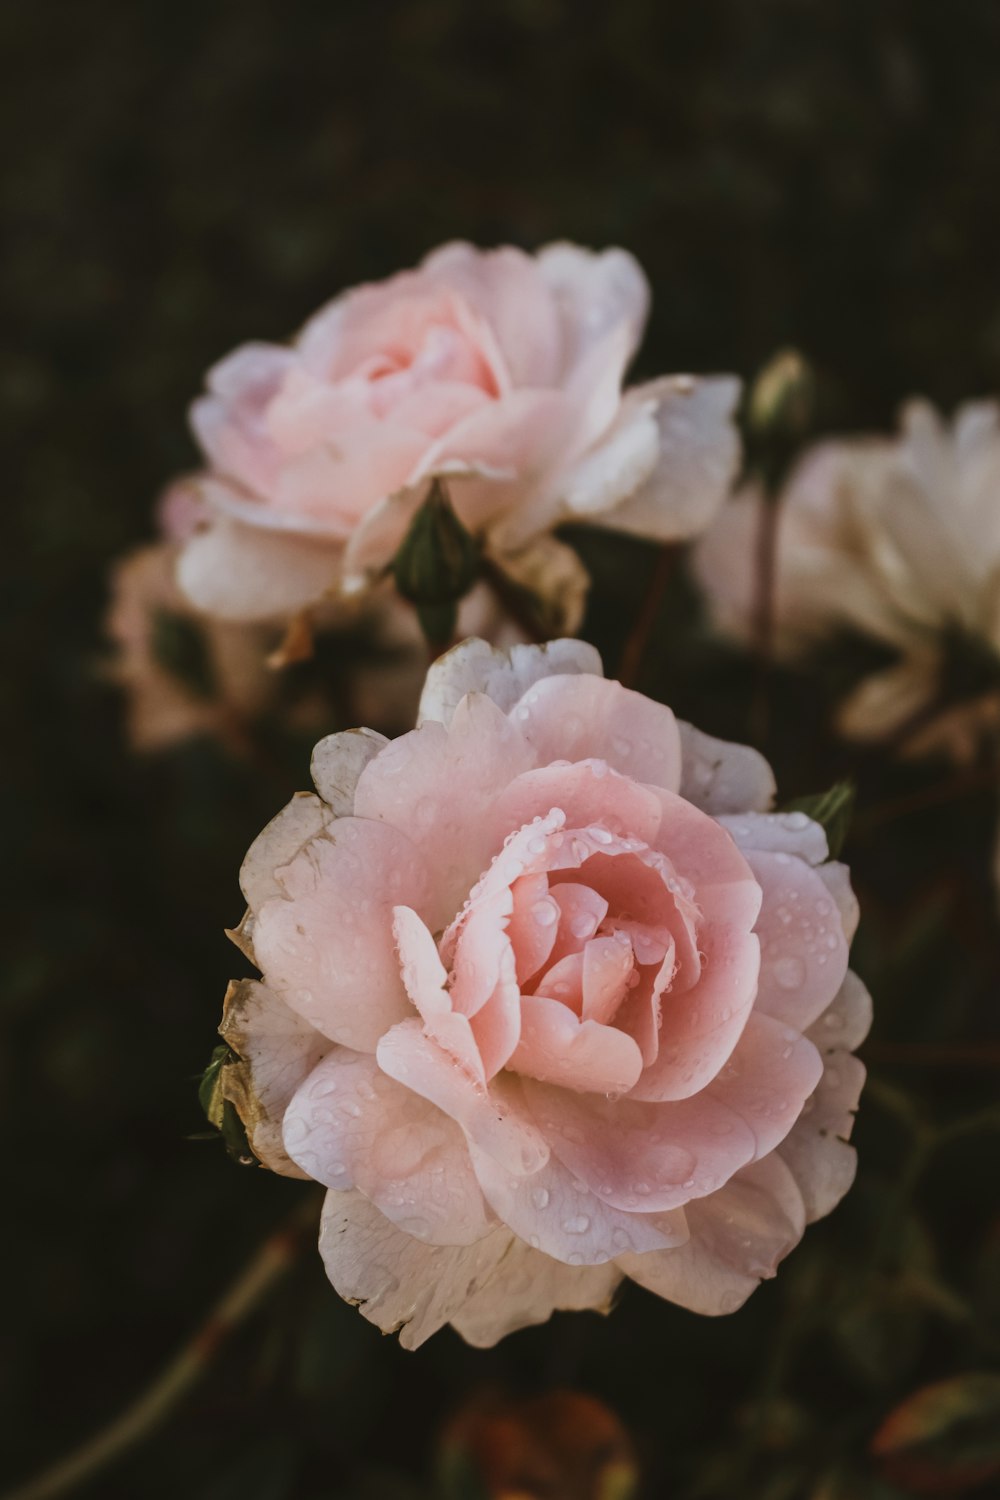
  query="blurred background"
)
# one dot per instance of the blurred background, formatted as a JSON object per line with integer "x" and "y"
{"x": 182, "y": 177}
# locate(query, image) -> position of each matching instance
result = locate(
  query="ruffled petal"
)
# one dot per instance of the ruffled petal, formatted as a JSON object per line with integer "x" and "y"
{"x": 326, "y": 944}
{"x": 721, "y": 777}
{"x": 803, "y": 956}
{"x": 401, "y": 1284}
{"x": 337, "y": 762}
{"x": 557, "y": 1047}
{"x": 738, "y": 1236}
{"x": 349, "y": 1125}
{"x": 526, "y": 1288}
{"x": 588, "y": 718}
{"x": 474, "y": 666}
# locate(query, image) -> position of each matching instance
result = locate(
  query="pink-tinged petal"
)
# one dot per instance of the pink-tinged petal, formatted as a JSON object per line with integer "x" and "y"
{"x": 497, "y": 1025}
{"x": 738, "y": 1237}
{"x": 588, "y": 792}
{"x": 584, "y": 1056}
{"x": 302, "y": 819}
{"x": 557, "y": 1215}
{"x": 399, "y": 1283}
{"x": 779, "y": 833}
{"x": 588, "y": 718}
{"x": 513, "y": 437}
{"x": 475, "y": 945}
{"x": 433, "y": 784}
{"x": 699, "y": 459}
{"x": 816, "y": 1150}
{"x": 337, "y": 762}
{"x": 474, "y": 666}
{"x": 508, "y": 291}
{"x": 704, "y": 852}
{"x": 643, "y": 1158}
{"x": 803, "y": 949}
{"x": 700, "y": 1026}
{"x": 581, "y": 912}
{"x": 238, "y": 572}
{"x": 277, "y": 1050}
{"x": 340, "y": 482}
{"x": 721, "y": 777}
{"x": 494, "y": 1119}
{"x": 594, "y": 293}
{"x": 526, "y": 1288}
{"x": 376, "y": 538}
{"x": 326, "y": 945}
{"x": 607, "y": 965}
{"x": 425, "y": 977}
{"x": 349, "y": 1125}
{"x": 613, "y": 468}
{"x": 641, "y": 1010}
{"x": 564, "y": 982}
{"x": 846, "y": 1022}
{"x": 533, "y": 924}
{"x": 837, "y": 879}
{"x": 768, "y": 1078}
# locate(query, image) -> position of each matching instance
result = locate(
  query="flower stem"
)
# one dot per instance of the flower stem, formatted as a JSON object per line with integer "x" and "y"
{"x": 158, "y": 1401}
{"x": 642, "y": 630}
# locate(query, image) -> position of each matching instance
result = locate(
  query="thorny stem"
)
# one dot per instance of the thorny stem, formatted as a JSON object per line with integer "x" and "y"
{"x": 645, "y": 621}
{"x": 158, "y": 1401}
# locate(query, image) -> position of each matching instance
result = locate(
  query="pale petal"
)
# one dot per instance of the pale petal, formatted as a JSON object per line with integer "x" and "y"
{"x": 584, "y": 717}
{"x": 238, "y": 572}
{"x": 399, "y": 1283}
{"x": 526, "y": 1288}
{"x": 803, "y": 949}
{"x": 349, "y": 1125}
{"x": 594, "y": 294}
{"x": 425, "y": 978}
{"x": 302, "y": 819}
{"x": 767, "y": 1080}
{"x": 326, "y": 944}
{"x": 699, "y": 460}
{"x": 277, "y": 1051}
{"x": 560, "y": 1217}
{"x": 557, "y": 1047}
{"x": 738, "y": 1236}
{"x": 427, "y": 784}
{"x": 337, "y": 762}
{"x": 494, "y": 1119}
{"x": 789, "y": 833}
{"x": 474, "y": 666}
{"x": 643, "y": 1158}
{"x": 720, "y": 777}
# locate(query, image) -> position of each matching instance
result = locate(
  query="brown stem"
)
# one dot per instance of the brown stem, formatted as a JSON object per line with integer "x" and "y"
{"x": 171, "y": 1385}
{"x": 645, "y": 621}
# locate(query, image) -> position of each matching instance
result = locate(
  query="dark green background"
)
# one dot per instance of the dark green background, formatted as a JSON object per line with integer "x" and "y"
{"x": 184, "y": 176}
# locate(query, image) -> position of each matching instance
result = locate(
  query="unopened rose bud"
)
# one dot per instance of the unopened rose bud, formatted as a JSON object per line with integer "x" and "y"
{"x": 782, "y": 397}
{"x": 438, "y": 560}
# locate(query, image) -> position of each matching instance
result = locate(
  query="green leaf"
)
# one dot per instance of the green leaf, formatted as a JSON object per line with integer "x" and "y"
{"x": 218, "y": 1110}
{"x": 945, "y": 1438}
{"x": 832, "y": 810}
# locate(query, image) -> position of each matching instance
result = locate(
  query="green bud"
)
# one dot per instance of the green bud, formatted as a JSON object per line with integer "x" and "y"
{"x": 438, "y": 559}
{"x": 782, "y": 398}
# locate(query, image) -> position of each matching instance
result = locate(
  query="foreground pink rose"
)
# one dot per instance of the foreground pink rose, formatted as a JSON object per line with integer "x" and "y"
{"x": 500, "y": 370}
{"x": 549, "y": 998}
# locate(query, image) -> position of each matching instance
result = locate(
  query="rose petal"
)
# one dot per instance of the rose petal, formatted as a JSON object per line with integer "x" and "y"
{"x": 803, "y": 949}
{"x": 720, "y": 777}
{"x": 302, "y": 819}
{"x": 327, "y": 943}
{"x": 768, "y": 1078}
{"x": 349, "y": 1125}
{"x": 277, "y": 1051}
{"x": 642, "y": 1157}
{"x": 399, "y": 1283}
{"x": 238, "y": 572}
{"x": 424, "y": 977}
{"x": 789, "y": 833}
{"x": 474, "y": 666}
{"x": 557, "y": 1047}
{"x": 526, "y": 1288}
{"x": 738, "y": 1236}
{"x": 554, "y": 1214}
{"x": 494, "y": 1119}
{"x": 337, "y": 762}
{"x": 587, "y": 718}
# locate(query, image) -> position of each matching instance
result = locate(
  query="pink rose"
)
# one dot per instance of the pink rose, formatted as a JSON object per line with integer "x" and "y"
{"x": 549, "y": 998}
{"x": 500, "y": 370}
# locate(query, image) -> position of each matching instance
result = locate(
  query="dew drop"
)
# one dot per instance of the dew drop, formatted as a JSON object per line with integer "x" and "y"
{"x": 790, "y": 973}
{"x": 577, "y": 1225}
{"x": 545, "y": 913}
{"x": 540, "y": 1197}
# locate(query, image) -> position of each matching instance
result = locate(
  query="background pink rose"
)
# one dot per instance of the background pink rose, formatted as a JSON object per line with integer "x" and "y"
{"x": 500, "y": 370}
{"x": 549, "y": 998}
